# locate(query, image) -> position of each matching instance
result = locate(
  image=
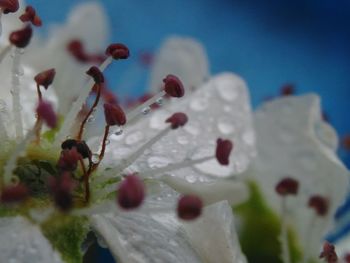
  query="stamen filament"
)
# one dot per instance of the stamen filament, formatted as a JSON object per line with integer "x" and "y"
{"x": 284, "y": 234}
{"x": 40, "y": 96}
{"x": 103, "y": 148}
{"x": 308, "y": 235}
{"x": 84, "y": 94}
{"x": 138, "y": 110}
{"x": 15, "y": 91}
{"x": 98, "y": 95}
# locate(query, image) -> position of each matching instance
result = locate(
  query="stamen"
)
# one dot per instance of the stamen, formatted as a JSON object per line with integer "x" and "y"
{"x": 172, "y": 87}
{"x": 9, "y": 6}
{"x": 287, "y": 90}
{"x": 30, "y": 16}
{"x": 61, "y": 189}
{"x": 84, "y": 94}
{"x": 131, "y": 192}
{"x": 287, "y": 186}
{"x": 328, "y": 253}
{"x": 46, "y": 113}
{"x": 14, "y": 194}
{"x": 98, "y": 77}
{"x": 45, "y": 78}
{"x": 189, "y": 207}
{"x": 320, "y": 204}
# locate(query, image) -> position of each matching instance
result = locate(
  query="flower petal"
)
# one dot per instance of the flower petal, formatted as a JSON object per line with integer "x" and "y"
{"x": 294, "y": 141}
{"x": 183, "y": 57}
{"x": 213, "y": 235}
{"x": 220, "y": 108}
{"x": 21, "y": 241}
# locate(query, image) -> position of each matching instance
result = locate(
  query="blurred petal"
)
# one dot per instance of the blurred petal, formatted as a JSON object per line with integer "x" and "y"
{"x": 294, "y": 141}
{"x": 21, "y": 241}
{"x": 220, "y": 108}
{"x": 213, "y": 235}
{"x": 183, "y": 57}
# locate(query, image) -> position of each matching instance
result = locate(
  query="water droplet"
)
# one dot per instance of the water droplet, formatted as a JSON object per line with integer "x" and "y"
{"x": 91, "y": 118}
{"x": 191, "y": 128}
{"x": 225, "y": 126}
{"x": 226, "y": 90}
{"x": 157, "y": 120}
{"x": 134, "y": 137}
{"x": 249, "y": 138}
{"x": 108, "y": 141}
{"x": 146, "y": 110}
{"x": 118, "y": 131}
{"x": 199, "y": 103}
{"x": 101, "y": 242}
{"x": 95, "y": 158}
{"x": 159, "y": 101}
{"x": 191, "y": 178}
{"x": 157, "y": 161}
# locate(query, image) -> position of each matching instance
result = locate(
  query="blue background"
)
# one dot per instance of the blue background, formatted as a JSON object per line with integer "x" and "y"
{"x": 269, "y": 43}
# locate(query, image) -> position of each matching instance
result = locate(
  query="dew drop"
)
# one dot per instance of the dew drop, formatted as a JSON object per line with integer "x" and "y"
{"x": 146, "y": 110}
{"x": 191, "y": 178}
{"x": 95, "y": 158}
{"x": 227, "y": 91}
{"x": 118, "y": 131}
{"x": 91, "y": 119}
{"x": 225, "y": 126}
{"x": 159, "y": 101}
{"x": 157, "y": 161}
{"x": 199, "y": 103}
{"x": 249, "y": 138}
{"x": 182, "y": 140}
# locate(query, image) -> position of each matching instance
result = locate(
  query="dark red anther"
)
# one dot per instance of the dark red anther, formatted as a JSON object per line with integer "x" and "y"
{"x": 14, "y": 194}
{"x": 328, "y": 253}
{"x": 45, "y": 112}
{"x": 287, "y": 186}
{"x": 61, "y": 190}
{"x": 319, "y": 204}
{"x": 173, "y": 86}
{"x": 347, "y": 258}
{"x": 76, "y": 49}
{"x": 68, "y": 160}
{"x": 114, "y": 115}
{"x": 81, "y": 146}
{"x": 177, "y": 120}
{"x": 30, "y": 16}
{"x": 131, "y": 192}
{"x": 96, "y": 74}
{"x": 346, "y": 142}
{"x": 9, "y": 6}
{"x": 45, "y": 78}
{"x": 189, "y": 207}
{"x": 223, "y": 151}
{"x": 21, "y": 38}
{"x": 118, "y": 51}
{"x": 287, "y": 90}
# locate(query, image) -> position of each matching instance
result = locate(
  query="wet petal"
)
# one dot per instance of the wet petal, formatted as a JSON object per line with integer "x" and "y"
{"x": 294, "y": 141}
{"x": 183, "y": 57}
{"x": 21, "y": 241}
{"x": 220, "y": 108}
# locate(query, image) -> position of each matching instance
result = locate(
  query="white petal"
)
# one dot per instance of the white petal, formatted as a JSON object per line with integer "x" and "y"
{"x": 220, "y": 108}
{"x": 213, "y": 235}
{"x": 293, "y": 140}
{"x": 21, "y": 241}
{"x": 211, "y": 192}
{"x": 183, "y": 57}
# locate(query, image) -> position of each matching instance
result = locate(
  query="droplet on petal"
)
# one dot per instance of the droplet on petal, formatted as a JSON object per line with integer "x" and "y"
{"x": 9, "y": 6}
{"x": 46, "y": 113}
{"x": 45, "y": 78}
{"x": 118, "y": 51}
{"x": 223, "y": 151}
{"x": 30, "y": 16}
{"x": 189, "y": 207}
{"x": 319, "y": 204}
{"x": 114, "y": 115}
{"x": 287, "y": 186}
{"x": 328, "y": 253}
{"x": 14, "y": 194}
{"x": 21, "y": 38}
{"x": 177, "y": 120}
{"x": 96, "y": 74}
{"x": 131, "y": 192}
{"x": 173, "y": 86}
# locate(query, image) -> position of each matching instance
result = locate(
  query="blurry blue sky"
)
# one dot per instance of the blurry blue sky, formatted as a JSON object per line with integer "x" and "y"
{"x": 269, "y": 43}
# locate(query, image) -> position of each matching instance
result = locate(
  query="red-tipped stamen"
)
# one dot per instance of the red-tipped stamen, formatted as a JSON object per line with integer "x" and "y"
{"x": 131, "y": 192}
{"x": 287, "y": 90}
{"x": 118, "y": 51}
{"x": 320, "y": 204}
{"x": 189, "y": 207}
{"x": 45, "y": 112}
{"x": 22, "y": 37}
{"x": 177, "y": 120}
{"x": 328, "y": 253}
{"x": 61, "y": 189}
{"x": 31, "y": 16}
{"x": 14, "y": 194}
{"x": 173, "y": 86}
{"x": 9, "y": 6}
{"x": 287, "y": 186}
{"x": 223, "y": 151}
